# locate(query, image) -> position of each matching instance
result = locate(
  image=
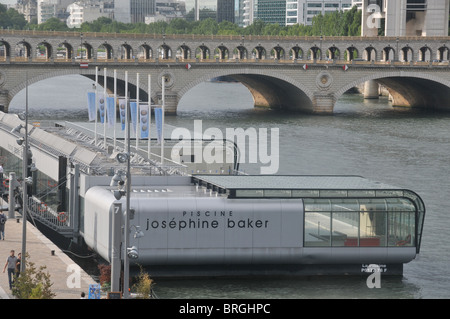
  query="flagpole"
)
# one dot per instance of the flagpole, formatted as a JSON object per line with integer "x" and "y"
{"x": 126, "y": 102}
{"x": 96, "y": 110}
{"x": 138, "y": 125}
{"x": 162, "y": 120}
{"x": 115, "y": 105}
{"x": 149, "y": 112}
{"x": 105, "y": 105}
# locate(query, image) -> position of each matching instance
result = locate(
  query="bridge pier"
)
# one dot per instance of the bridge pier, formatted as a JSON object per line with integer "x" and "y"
{"x": 323, "y": 103}
{"x": 371, "y": 90}
{"x": 171, "y": 102}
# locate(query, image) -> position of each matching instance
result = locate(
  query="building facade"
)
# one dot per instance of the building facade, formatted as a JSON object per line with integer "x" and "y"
{"x": 133, "y": 11}
{"x": 226, "y": 10}
{"x": 28, "y": 8}
{"x": 303, "y": 11}
{"x": 405, "y": 17}
{"x": 88, "y": 11}
{"x": 270, "y": 11}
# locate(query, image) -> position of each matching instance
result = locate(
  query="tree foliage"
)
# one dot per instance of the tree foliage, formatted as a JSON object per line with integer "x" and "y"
{"x": 11, "y": 18}
{"x": 33, "y": 283}
{"x": 337, "y": 23}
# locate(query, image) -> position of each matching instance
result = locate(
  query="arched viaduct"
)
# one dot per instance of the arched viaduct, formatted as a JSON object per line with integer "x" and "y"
{"x": 304, "y": 74}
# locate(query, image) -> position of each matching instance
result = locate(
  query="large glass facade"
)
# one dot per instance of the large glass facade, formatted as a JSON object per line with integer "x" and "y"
{"x": 372, "y": 222}
{"x": 43, "y": 187}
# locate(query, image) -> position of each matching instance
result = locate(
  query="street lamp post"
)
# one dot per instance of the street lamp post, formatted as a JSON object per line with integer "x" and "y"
{"x": 24, "y": 185}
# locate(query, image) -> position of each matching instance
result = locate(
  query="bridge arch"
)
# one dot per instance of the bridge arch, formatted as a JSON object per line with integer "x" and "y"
{"x": 64, "y": 51}
{"x": 314, "y": 53}
{"x": 23, "y": 49}
{"x": 144, "y": 52}
{"x": 406, "y": 54}
{"x": 333, "y": 53}
{"x": 105, "y": 52}
{"x": 443, "y": 53}
{"x": 296, "y": 53}
{"x": 259, "y": 53}
{"x": 409, "y": 89}
{"x": 222, "y": 52}
{"x": 277, "y": 53}
{"x": 88, "y": 51}
{"x": 126, "y": 51}
{"x": 44, "y": 50}
{"x": 388, "y": 53}
{"x": 5, "y": 49}
{"x": 370, "y": 54}
{"x": 425, "y": 54}
{"x": 184, "y": 52}
{"x": 240, "y": 52}
{"x": 351, "y": 53}
{"x": 164, "y": 52}
{"x": 269, "y": 89}
{"x": 202, "y": 52}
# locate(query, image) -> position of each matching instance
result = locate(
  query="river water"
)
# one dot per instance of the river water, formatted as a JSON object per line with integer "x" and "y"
{"x": 407, "y": 148}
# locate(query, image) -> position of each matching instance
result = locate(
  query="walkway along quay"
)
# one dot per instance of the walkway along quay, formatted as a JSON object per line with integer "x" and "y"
{"x": 68, "y": 279}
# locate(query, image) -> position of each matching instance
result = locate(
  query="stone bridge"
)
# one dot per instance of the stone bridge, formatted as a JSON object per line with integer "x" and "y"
{"x": 295, "y": 73}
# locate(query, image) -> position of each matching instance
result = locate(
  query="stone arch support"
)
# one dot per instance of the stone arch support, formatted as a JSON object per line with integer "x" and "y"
{"x": 409, "y": 89}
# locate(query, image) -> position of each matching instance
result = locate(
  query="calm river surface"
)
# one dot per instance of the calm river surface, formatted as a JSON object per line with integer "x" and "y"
{"x": 407, "y": 148}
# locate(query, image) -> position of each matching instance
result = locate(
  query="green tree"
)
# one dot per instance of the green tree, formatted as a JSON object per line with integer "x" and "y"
{"x": 33, "y": 283}
{"x": 207, "y": 26}
{"x": 11, "y": 18}
{"x": 143, "y": 286}
{"x": 228, "y": 28}
{"x": 53, "y": 24}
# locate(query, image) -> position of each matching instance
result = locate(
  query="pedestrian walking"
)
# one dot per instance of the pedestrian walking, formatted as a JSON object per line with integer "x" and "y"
{"x": 2, "y": 225}
{"x": 11, "y": 262}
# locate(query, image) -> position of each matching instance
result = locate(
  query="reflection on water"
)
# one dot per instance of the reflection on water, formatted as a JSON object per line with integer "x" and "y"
{"x": 285, "y": 288}
{"x": 398, "y": 146}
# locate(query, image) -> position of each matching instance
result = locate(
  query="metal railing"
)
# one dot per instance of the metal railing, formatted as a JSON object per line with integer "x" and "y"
{"x": 59, "y": 221}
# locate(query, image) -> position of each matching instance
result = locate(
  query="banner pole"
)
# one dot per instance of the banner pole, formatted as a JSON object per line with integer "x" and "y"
{"x": 105, "y": 105}
{"x": 149, "y": 113}
{"x": 96, "y": 110}
{"x": 138, "y": 123}
{"x": 162, "y": 120}
{"x": 115, "y": 105}
{"x": 126, "y": 103}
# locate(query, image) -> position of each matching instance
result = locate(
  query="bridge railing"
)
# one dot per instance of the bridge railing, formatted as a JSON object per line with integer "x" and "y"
{"x": 228, "y": 60}
{"x": 75, "y": 34}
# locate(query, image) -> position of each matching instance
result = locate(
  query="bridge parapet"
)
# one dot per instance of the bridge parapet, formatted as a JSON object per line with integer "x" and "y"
{"x": 110, "y": 46}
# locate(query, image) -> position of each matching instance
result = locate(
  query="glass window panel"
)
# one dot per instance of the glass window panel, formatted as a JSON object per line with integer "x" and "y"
{"x": 345, "y": 205}
{"x": 401, "y": 229}
{"x": 400, "y": 204}
{"x": 317, "y": 229}
{"x": 372, "y": 228}
{"x": 345, "y": 229}
{"x": 314, "y": 205}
